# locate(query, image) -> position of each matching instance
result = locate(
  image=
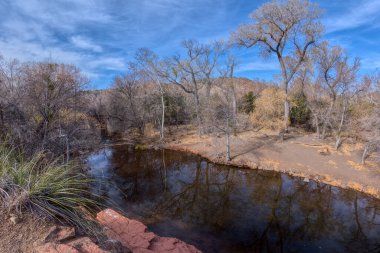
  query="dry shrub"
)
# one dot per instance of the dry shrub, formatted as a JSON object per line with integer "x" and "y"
{"x": 269, "y": 109}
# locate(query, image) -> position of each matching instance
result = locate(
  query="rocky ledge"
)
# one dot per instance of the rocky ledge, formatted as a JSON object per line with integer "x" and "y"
{"x": 125, "y": 235}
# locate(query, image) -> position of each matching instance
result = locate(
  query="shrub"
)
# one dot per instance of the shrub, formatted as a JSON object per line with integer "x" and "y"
{"x": 269, "y": 109}
{"x": 45, "y": 188}
{"x": 248, "y": 103}
{"x": 299, "y": 113}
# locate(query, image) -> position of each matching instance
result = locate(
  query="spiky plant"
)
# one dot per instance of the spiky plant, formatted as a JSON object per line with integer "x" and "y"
{"x": 44, "y": 187}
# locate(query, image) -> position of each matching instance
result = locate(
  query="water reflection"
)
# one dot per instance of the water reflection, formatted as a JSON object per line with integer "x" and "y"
{"x": 224, "y": 209}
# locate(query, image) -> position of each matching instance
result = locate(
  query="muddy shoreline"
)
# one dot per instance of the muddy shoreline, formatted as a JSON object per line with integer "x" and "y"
{"x": 315, "y": 177}
{"x": 336, "y": 169}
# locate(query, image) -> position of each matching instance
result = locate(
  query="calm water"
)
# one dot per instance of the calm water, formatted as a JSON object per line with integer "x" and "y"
{"x": 224, "y": 209}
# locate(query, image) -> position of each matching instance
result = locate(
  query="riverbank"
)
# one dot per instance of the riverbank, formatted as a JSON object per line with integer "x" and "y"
{"x": 300, "y": 154}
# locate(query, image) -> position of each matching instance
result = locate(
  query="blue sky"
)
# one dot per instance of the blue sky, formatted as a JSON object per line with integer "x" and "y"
{"x": 101, "y": 36}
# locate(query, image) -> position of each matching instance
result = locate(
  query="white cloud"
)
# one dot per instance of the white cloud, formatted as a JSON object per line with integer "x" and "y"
{"x": 85, "y": 43}
{"x": 62, "y": 14}
{"x": 110, "y": 63}
{"x": 364, "y": 12}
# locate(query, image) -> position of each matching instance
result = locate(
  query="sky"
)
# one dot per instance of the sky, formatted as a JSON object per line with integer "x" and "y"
{"x": 101, "y": 36}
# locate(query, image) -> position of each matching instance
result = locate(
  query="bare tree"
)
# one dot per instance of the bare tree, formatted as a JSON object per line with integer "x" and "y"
{"x": 53, "y": 105}
{"x": 336, "y": 76}
{"x": 228, "y": 85}
{"x": 369, "y": 122}
{"x": 224, "y": 103}
{"x": 128, "y": 101}
{"x": 148, "y": 64}
{"x": 287, "y": 29}
{"x": 10, "y": 93}
{"x": 192, "y": 73}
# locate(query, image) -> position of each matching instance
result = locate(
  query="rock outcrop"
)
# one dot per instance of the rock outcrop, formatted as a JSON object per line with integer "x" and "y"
{"x": 125, "y": 236}
{"x": 135, "y": 235}
{"x": 63, "y": 239}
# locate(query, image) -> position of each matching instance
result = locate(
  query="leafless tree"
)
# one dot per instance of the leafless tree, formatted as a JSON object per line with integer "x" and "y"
{"x": 287, "y": 29}
{"x": 148, "y": 64}
{"x": 42, "y": 108}
{"x": 193, "y": 72}
{"x": 228, "y": 85}
{"x": 54, "y": 106}
{"x": 10, "y": 93}
{"x": 336, "y": 76}
{"x": 129, "y": 101}
{"x": 369, "y": 122}
{"x": 224, "y": 103}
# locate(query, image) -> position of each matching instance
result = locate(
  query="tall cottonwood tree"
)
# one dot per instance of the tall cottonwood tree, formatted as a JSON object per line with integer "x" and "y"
{"x": 286, "y": 29}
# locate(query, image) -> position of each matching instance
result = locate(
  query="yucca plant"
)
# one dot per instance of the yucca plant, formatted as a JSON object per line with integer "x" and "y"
{"x": 46, "y": 188}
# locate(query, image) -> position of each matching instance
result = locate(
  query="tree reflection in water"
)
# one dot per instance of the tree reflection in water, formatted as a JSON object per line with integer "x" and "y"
{"x": 224, "y": 209}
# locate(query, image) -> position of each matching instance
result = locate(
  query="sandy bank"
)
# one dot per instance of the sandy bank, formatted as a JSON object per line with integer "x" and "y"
{"x": 299, "y": 155}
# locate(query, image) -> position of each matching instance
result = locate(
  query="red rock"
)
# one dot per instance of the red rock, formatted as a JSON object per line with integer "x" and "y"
{"x": 85, "y": 245}
{"x": 135, "y": 235}
{"x": 60, "y": 233}
{"x": 115, "y": 246}
{"x": 55, "y": 248}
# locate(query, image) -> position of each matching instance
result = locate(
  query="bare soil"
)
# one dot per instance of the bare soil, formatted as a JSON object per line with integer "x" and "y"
{"x": 300, "y": 154}
{"x": 24, "y": 236}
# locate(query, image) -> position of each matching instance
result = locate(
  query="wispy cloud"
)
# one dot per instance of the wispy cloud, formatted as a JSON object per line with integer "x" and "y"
{"x": 101, "y": 36}
{"x": 84, "y": 43}
{"x": 363, "y": 12}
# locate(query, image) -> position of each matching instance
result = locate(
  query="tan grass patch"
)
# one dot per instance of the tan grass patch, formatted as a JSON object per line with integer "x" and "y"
{"x": 372, "y": 191}
{"x": 357, "y": 166}
{"x": 355, "y": 186}
{"x": 270, "y": 163}
{"x": 349, "y": 148}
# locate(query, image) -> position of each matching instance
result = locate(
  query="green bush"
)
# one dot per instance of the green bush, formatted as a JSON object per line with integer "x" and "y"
{"x": 248, "y": 103}
{"x": 45, "y": 188}
{"x": 299, "y": 113}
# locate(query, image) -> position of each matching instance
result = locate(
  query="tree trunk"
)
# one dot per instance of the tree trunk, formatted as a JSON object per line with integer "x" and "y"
{"x": 285, "y": 88}
{"x": 324, "y": 127}
{"x": 317, "y": 126}
{"x": 228, "y": 151}
{"x": 338, "y": 142}
{"x": 365, "y": 152}
{"x": 234, "y": 111}
{"x": 287, "y": 115}
{"x": 197, "y": 110}
{"x": 163, "y": 115}
{"x": 338, "y": 136}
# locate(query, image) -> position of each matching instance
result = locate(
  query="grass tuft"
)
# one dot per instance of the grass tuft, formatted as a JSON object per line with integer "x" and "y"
{"x": 43, "y": 187}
